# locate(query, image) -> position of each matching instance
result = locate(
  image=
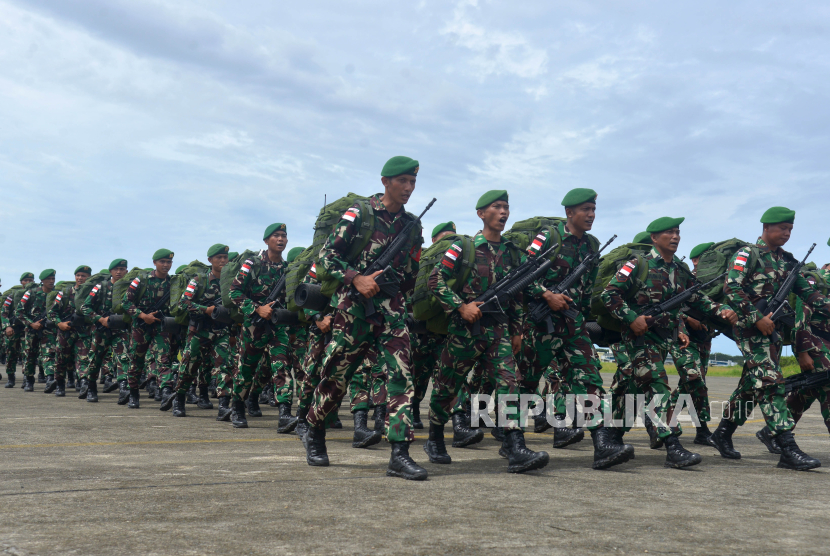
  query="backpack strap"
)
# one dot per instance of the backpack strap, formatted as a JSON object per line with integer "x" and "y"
{"x": 142, "y": 286}
{"x": 468, "y": 259}
{"x": 367, "y": 227}
{"x": 640, "y": 278}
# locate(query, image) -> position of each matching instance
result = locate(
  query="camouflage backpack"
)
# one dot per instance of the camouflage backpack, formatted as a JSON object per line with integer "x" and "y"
{"x": 713, "y": 262}
{"x": 62, "y": 286}
{"x": 86, "y": 287}
{"x": 295, "y": 274}
{"x": 19, "y": 293}
{"x": 609, "y": 265}
{"x": 196, "y": 270}
{"x": 425, "y": 306}
{"x": 229, "y": 272}
{"x": 522, "y": 232}
{"x": 120, "y": 288}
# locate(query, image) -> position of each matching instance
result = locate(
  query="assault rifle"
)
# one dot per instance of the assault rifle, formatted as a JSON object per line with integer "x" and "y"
{"x": 778, "y": 304}
{"x": 388, "y": 279}
{"x": 674, "y": 302}
{"x": 156, "y": 308}
{"x": 803, "y": 381}
{"x": 47, "y": 324}
{"x": 279, "y": 314}
{"x": 540, "y": 311}
{"x": 509, "y": 287}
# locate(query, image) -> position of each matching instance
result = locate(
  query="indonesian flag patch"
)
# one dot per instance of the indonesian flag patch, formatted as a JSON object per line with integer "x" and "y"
{"x": 626, "y": 271}
{"x": 134, "y": 284}
{"x": 351, "y": 214}
{"x": 191, "y": 288}
{"x": 313, "y": 271}
{"x": 58, "y": 297}
{"x": 415, "y": 254}
{"x": 740, "y": 261}
{"x": 95, "y": 290}
{"x": 25, "y": 297}
{"x": 450, "y": 256}
{"x": 8, "y": 301}
{"x": 537, "y": 244}
{"x": 246, "y": 268}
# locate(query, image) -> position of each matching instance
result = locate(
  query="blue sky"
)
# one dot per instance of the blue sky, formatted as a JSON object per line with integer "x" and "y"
{"x": 133, "y": 125}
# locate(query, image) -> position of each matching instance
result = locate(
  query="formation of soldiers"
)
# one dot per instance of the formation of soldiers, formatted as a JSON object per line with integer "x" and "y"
{"x": 239, "y": 347}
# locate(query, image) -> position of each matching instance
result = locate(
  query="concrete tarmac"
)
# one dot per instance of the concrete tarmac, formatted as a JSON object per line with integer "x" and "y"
{"x": 89, "y": 479}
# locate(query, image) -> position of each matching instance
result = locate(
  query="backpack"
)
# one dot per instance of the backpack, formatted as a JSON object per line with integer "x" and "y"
{"x": 83, "y": 292}
{"x": 522, "y": 232}
{"x": 62, "y": 286}
{"x": 609, "y": 265}
{"x": 425, "y": 306}
{"x": 19, "y": 293}
{"x": 713, "y": 262}
{"x": 120, "y": 287}
{"x": 229, "y": 272}
{"x": 296, "y": 272}
{"x": 195, "y": 270}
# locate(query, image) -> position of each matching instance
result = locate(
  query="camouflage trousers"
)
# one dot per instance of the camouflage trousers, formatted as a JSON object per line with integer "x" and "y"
{"x": 492, "y": 351}
{"x": 150, "y": 347}
{"x": 761, "y": 384}
{"x": 14, "y": 351}
{"x": 352, "y": 339}
{"x": 255, "y": 341}
{"x": 206, "y": 355}
{"x": 287, "y": 386}
{"x": 800, "y": 401}
{"x": 426, "y": 354}
{"x": 692, "y": 380}
{"x": 41, "y": 351}
{"x": 107, "y": 345}
{"x": 72, "y": 349}
{"x": 367, "y": 388}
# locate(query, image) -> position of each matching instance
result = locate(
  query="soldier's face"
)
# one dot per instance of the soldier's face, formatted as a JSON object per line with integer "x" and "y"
{"x": 581, "y": 216}
{"x": 495, "y": 215}
{"x": 442, "y": 235}
{"x": 399, "y": 188}
{"x": 118, "y": 272}
{"x": 778, "y": 234}
{"x": 80, "y": 278}
{"x": 695, "y": 260}
{"x": 668, "y": 240}
{"x": 26, "y": 281}
{"x": 277, "y": 241}
{"x": 217, "y": 262}
{"x": 163, "y": 266}
{"x": 49, "y": 283}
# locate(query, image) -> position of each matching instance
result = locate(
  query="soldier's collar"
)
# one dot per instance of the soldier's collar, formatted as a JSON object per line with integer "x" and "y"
{"x": 479, "y": 240}
{"x": 656, "y": 255}
{"x": 762, "y": 245}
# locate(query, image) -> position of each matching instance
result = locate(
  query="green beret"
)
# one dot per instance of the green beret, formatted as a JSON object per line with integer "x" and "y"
{"x": 103, "y": 271}
{"x": 47, "y": 273}
{"x": 83, "y": 268}
{"x": 292, "y": 254}
{"x": 26, "y": 276}
{"x": 217, "y": 249}
{"x": 491, "y": 197}
{"x": 180, "y": 268}
{"x": 162, "y": 254}
{"x": 698, "y": 249}
{"x": 149, "y": 269}
{"x": 273, "y": 228}
{"x": 232, "y": 255}
{"x": 664, "y": 223}
{"x": 578, "y": 196}
{"x": 444, "y": 227}
{"x": 776, "y": 215}
{"x": 399, "y": 165}
{"x": 643, "y": 237}
{"x": 116, "y": 263}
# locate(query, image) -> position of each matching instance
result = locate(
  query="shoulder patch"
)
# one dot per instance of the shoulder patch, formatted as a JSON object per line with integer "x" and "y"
{"x": 25, "y": 297}
{"x": 741, "y": 259}
{"x": 451, "y": 256}
{"x": 313, "y": 271}
{"x": 246, "y": 267}
{"x": 536, "y": 244}
{"x": 94, "y": 290}
{"x": 134, "y": 284}
{"x": 626, "y": 271}
{"x": 58, "y": 297}
{"x": 351, "y": 214}
{"x": 415, "y": 254}
{"x": 191, "y": 288}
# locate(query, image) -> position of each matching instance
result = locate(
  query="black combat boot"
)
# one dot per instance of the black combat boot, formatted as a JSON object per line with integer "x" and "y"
{"x": 287, "y": 421}
{"x": 60, "y": 389}
{"x": 51, "y": 384}
{"x": 204, "y": 399}
{"x": 416, "y": 417}
{"x": 253, "y": 406}
{"x": 272, "y": 398}
{"x": 401, "y": 465}
{"x": 238, "y": 415}
{"x": 83, "y": 389}
{"x": 41, "y": 377}
{"x": 677, "y": 456}
{"x": 498, "y": 434}
{"x": 212, "y": 388}
{"x": 722, "y": 439}
{"x": 29, "y": 384}
{"x": 167, "y": 396}
{"x": 190, "y": 395}
{"x": 133, "y": 403}
{"x": 302, "y": 423}
{"x": 435, "y": 448}
{"x": 338, "y": 424}
{"x": 703, "y": 435}
{"x": 92, "y": 393}
{"x": 110, "y": 384}
{"x": 540, "y": 423}
{"x": 102, "y": 379}
{"x": 10, "y": 381}
{"x": 462, "y": 435}
{"x": 565, "y": 436}
{"x": 224, "y": 409}
{"x": 608, "y": 451}
{"x": 363, "y": 437}
{"x": 654, "y": 441}
{"x": 791, "y": 455}
{"x": 123, "y": 392}
{"x": 520, "y": 458}
{"x": 768, "y": 440}
{"x": 179, "y": 404}
{"x": 315, "y": 447}
{"x": 157, "y": 391}
{"x": 380, "y": 418}
{"x": 70, "y": 380}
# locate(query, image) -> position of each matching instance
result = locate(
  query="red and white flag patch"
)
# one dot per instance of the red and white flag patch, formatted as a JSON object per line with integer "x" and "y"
{"x": 95, "y": 290}
{"x": 8, "y": 301}
{"x": 415, "y": 254}
{"x": 313, "y": 271}
{"x": 351, "y": 214}
{"x": 536, "y": 244}
{"x": 134, "y": 284}
{"x": 25, "y": 297}
{"x": 740, "y": 261}
{"x": 191, "y": 288}
{"x": 246, "y": 267}
{"x": 58, "y": 297}
{"x": 451, "y": 255}
{"x": 626, "y": 271}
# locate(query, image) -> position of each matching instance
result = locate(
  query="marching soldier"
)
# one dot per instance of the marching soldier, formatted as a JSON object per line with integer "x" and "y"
{"x": 73, "y": 334}
{"x": 14, "y": 331}
{"x": 40, "y": 334}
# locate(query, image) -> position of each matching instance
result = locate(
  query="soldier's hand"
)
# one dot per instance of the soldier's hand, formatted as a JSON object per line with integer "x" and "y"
{"x": 105, "y": 321}
{"x": 324, "y": 324}
{"x": 37, "y": 325}
{"x": 209, "y": 310}
{"x": 367, "y": 285}
{"x": 149, "y": 319}
{"x": 556, "y": 301}
{"x": 730, "y": 316}
{"x": 639, "y": 326}
{"x": 9, "y": 331}
{"x": 684, "y": 340}
{"x": 470, "y": 311}
{"x": 765, "y": 325}
{"x": 265, "y": 310}
{"x": 805, "y": 362}
{"x": 64, "y": 326}
{"x": 694, "y": 324}
{"x": 516, "y": 342}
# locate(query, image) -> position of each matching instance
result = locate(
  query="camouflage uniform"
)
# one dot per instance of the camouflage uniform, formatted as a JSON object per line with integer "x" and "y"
{"x": 353, "y": 334}
{"x": 663, "y": 281}
{"x": 286, "y": 386}
{"x": 250, "y": 288}
{"x": 368, "y": 385}
{"x": 73, "y": 344}
{"x": 40, "y": 345}
{"x": 107, "y": 345}
{"x": 426, "y": 352}
{"x": 692, "y": 372}
{"x": 14, "y": 343}
{"x": 492, "y": 349}
{"x": 208, "y": 342}
{"x": 147, "y": 339}
{"x": 567, "y": 352}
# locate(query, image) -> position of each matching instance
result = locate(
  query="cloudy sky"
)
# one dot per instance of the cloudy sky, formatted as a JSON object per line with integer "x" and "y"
{"x": 126, "y": 126}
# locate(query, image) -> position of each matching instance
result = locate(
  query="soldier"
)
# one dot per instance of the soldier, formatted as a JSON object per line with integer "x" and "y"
{"x": 73, "y": 334}
{"x": 568, "y": 348}
{"x": 14, "y": 331}
{"x": 147, "y": 335}
{"x": 249, "y": 290}
{"x": 493, "y": 348}
{"x": 106, "y": 342}
{"x": 626, "y": 298}
{"x": 208, "y": 340}
{"x": 40, "y": 333}
{"x": 755, "y": 273}
{"x": 354, "y": 334}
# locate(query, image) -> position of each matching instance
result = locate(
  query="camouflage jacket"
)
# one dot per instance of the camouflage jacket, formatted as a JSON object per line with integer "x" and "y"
{"x": 31, "y": 306}
{"x": 333, "y": 258}
{"x": 98, "y": 304}
{"x": 211, "y": 295}
{"x": 818, "y": 321}
{"x": 64, "y": 309}
{"x": 154, "y": 289}
{"x": 745, "y": 287}
{"x": 572, "y": 252}
{"x": 491, "y": 265}
{"x": 256, "y": 279}
{"x": 7, "y": 311}
{"x": 664, "y": 280}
